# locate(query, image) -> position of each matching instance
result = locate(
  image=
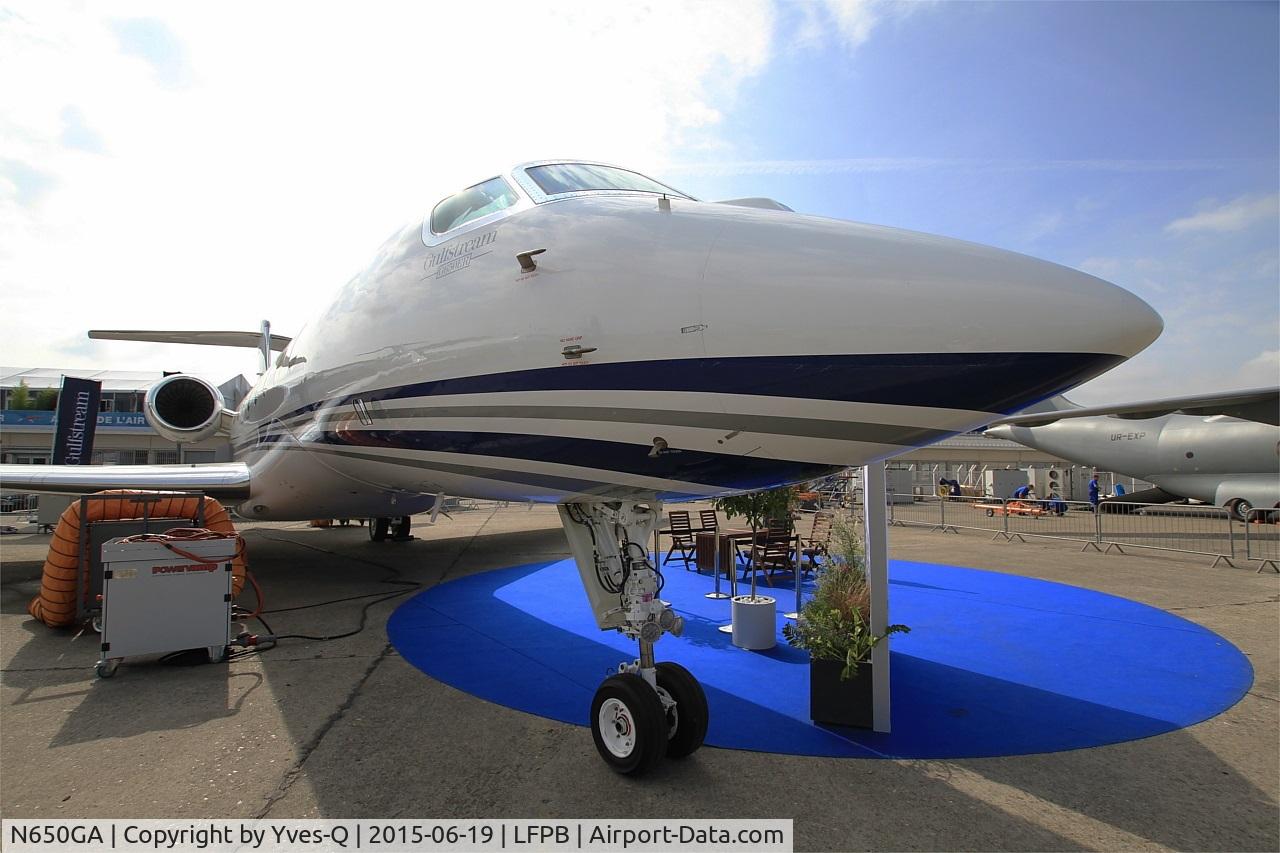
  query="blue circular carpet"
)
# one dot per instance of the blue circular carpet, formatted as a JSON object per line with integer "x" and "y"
{"x": 996, "y": 664}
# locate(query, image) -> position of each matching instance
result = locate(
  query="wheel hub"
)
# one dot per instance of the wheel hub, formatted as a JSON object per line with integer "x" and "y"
{"x": 617, "y": 729}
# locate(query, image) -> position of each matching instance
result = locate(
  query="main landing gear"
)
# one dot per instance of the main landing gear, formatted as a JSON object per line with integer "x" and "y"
{"x": 380, "y": 529}
{"x": 646, "y": 710}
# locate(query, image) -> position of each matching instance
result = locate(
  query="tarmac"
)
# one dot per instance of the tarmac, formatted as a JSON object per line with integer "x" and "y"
{"x": 346, "y": 728}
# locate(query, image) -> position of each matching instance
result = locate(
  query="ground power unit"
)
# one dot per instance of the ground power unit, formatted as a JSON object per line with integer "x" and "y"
{"x": 900, "y": 483}
{"x": 1047, "y": 481}
{"x": 156, "y": 599}
{"x": 1000, "y": 482}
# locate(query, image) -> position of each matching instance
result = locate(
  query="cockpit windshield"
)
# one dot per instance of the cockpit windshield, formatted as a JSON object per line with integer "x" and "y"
{"x": 557, "y": 178}
{"x": 472, "y": 203}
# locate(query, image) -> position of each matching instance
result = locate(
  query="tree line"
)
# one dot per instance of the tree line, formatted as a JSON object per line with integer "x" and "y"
{"x": 41, "y": 401}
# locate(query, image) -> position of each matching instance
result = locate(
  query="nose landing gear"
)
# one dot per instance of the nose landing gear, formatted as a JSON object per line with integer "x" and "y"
{"x": 646, "y": 710}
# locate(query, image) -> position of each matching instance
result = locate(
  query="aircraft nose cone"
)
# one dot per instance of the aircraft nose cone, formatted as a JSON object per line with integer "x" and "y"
{"x": 1004, "y": 431}
{"x": 1106, "y": 318}
{"x": 917, "y": 318}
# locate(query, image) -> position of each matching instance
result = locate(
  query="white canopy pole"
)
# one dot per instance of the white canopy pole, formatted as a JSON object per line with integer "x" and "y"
{"x": 876, "y": 530}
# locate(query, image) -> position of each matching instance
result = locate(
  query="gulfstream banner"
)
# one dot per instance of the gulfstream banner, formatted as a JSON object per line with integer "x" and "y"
{"x": 77, "y": 419}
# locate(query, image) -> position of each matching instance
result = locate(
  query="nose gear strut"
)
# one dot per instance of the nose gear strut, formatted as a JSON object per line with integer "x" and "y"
{"x": 609, "y": 542}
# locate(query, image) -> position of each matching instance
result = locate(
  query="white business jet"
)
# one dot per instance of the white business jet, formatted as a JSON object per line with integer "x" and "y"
{"x": 577, "y": 333}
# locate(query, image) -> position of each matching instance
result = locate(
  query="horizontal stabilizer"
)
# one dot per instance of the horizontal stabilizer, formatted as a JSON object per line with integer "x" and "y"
{"x": 250, "y": 340}
{"x": 219, "y": 480}
{"x": 1256, "y": 404}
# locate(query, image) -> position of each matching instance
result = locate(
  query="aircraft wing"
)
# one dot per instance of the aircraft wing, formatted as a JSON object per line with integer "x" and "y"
{"x": 218, "y": 480}
{"x": 250, "y": 340}
{"x": 1256, "y": 404}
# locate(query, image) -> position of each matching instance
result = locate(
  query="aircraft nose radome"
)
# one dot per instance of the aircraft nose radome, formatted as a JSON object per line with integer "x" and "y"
{"x": 1004, "y": 431}
{"x": 1020, "y": 434}
{"x": 1125, "y": 324}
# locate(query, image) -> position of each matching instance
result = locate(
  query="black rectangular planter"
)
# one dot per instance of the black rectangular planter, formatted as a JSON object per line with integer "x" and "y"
{"x": 842, "y": 703}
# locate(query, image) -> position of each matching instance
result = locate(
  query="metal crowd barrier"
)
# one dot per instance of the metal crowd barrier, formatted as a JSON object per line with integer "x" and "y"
{"x": 1262, "y": 539}
{"x": 906, "y": 510}
{"x": 1188, "y": 529}
{"x": 19, "y": 503}
{"x": 1198, "y": 529}
{"x": 1073, "y": 521}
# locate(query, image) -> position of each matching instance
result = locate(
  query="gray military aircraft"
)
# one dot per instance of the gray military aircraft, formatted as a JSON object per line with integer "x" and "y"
{"x": 1217, "y": 448}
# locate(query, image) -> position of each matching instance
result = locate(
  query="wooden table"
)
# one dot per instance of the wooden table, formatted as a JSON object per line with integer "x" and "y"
{"x": 705, "y": 548}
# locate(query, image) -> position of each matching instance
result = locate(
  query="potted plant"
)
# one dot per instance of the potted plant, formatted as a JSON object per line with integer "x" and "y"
{"x": 755, "y": 616}
{"x": 835, "y": 627}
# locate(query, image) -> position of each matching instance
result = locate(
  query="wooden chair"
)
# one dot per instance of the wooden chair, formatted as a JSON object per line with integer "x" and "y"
{"x": 773, "y": 553}
{"x": 816, "y": 544}
{"x": 709, "y": 520}
{"x": 682, "y": 538}
{"x": 773, "y": 527}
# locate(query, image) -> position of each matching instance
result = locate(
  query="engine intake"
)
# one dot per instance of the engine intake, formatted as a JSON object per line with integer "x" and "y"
{"x": 185, "y": 409}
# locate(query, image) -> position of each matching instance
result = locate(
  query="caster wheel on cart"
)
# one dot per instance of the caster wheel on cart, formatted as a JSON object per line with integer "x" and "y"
{"x": 990, "y": 513}
{"x": 378, "y": 528}
{"x": 628, "y": 724}
{"x": 106, "y": 669}
{"x": 687, "y": 720}
{"x": 96, "y": 624}
{"x": 217, "y": 654}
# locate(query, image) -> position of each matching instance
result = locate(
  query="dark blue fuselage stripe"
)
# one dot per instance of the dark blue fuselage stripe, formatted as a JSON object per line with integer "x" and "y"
{"x": 722, "y": 470}
{"x": 985, "y": 382}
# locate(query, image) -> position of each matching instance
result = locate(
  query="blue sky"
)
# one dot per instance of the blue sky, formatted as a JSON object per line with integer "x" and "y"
{"x": 1077, "y": 132}
{"x": 1137, "y": 141}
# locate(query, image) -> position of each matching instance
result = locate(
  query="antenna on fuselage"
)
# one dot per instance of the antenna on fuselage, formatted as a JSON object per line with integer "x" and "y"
{"x": 265, "y": 346}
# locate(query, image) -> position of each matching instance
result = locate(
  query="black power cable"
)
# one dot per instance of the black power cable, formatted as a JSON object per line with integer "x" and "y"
{"x": 393, "y": 578}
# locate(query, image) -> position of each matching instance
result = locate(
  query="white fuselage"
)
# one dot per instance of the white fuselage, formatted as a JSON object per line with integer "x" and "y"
{"x": 761, "y": 346}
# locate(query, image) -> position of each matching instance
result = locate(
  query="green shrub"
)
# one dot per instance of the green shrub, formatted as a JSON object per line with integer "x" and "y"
{"x": 836, "y": 623}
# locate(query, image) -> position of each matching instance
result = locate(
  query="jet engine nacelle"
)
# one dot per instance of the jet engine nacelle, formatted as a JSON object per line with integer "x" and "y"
{"x": 186, "y": 409}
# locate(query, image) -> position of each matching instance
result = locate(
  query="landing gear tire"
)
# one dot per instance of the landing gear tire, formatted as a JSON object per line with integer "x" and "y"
{"x": 378, "y": 528}
{"x": 687, "y": 720}
{"x": 1240, "y": 508}
{"x": 628, "y": 724}
{"x": 400, "y": 530}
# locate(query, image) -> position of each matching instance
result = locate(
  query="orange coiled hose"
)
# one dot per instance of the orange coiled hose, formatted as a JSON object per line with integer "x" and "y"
{"x": 56, "y": 604}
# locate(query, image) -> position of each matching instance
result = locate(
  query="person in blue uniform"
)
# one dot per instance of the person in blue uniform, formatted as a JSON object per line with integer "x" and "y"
{"x": 1022, "y": 493}
{"x": 1093, "y": 490}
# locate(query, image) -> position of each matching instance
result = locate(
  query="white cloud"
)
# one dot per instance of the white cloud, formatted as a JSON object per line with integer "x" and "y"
{"x": 1043, "y": 225}
{"x": 220, "y": 167}
{"x": 1261, "y": 370}
{"x": 850, "y": 22}
{"x": 1235, "y": 215}
{"x": 1221, "y": 322}
{"x": 854, "y": 19}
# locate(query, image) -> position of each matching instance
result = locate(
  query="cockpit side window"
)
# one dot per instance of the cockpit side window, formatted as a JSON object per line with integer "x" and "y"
{"x": 557, "y": 178}
{"x": 484, "y": 198}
